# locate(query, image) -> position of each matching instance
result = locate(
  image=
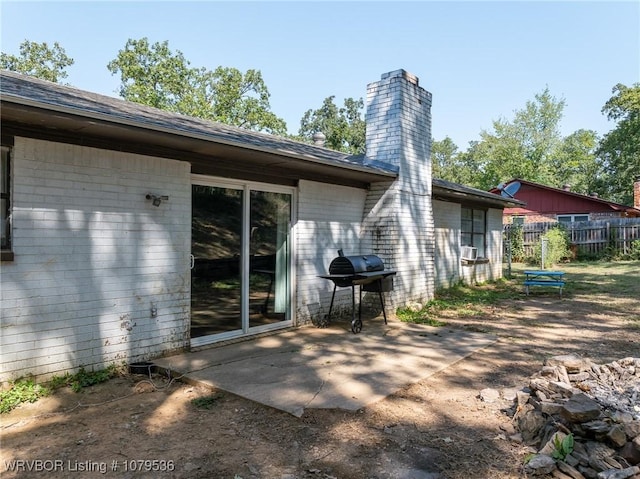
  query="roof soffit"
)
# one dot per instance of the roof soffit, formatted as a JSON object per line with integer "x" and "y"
{"x": 77, "y": 115}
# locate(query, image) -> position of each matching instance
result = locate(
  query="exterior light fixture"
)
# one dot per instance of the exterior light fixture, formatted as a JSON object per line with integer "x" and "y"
{"x": 156, "y": 199}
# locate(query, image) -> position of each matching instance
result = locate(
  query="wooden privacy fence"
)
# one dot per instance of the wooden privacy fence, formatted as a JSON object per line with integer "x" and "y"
{"x": 585, "y": 237}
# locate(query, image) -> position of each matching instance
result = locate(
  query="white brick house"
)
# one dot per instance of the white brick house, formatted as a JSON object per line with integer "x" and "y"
{"x": 107, "y": 206}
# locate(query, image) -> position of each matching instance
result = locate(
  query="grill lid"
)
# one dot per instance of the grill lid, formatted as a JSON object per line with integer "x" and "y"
{"x": 356, "y": 264}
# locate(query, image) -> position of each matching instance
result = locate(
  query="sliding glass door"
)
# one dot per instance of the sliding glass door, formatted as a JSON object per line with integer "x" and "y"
{"x": 241, "y": 248}
{"x": 270, "y": 219}
{"x": 216, "y": 246}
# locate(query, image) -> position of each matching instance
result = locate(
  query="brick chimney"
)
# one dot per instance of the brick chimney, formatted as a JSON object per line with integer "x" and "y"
{"x": 398, "y": 123}
{"x": 636, "y": 193}
{"x": 398, "y": 218}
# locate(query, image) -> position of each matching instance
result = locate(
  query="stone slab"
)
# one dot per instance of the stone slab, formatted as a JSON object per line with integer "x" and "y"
{"x": 328, "y": 368}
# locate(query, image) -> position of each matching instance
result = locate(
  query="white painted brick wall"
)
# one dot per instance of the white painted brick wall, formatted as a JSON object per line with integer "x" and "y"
{"x": 494, "y": 240}
{"x": 449, "y": 268}
{"x": 447, "y": 222}
{"x": 329, "y": 219}
{"x": 399, "y": 128}
{"x": 91, "y": 255}
{"x": 398, "y": 217}
{"x": 480, "y": 273}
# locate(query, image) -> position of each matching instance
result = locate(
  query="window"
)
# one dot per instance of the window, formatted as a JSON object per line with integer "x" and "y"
{"x": 517, "y": 220}
{"x": 473, "y": 229}
{"x": 5, "y": 202}
{"x": 572, "y": 218}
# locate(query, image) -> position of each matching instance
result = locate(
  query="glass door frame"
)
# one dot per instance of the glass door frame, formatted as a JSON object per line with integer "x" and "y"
{"x": 246, "y": 187}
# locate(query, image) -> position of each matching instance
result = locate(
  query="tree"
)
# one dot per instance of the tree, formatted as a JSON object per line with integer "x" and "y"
{"x": 450, "y": 164}
{"x": 153, "y": 75}
{"x": 344, "y": 127}
{"x": 619, "y": 150}
{"x": 443, "y": 158}
{"x": 237, "y": 99}
{"x": 38, "y": 60}
{"x": 523, "y": 148}
{"x": 576, "y": 163}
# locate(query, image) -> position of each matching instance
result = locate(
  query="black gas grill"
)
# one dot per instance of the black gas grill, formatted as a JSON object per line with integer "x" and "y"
{"x": 368, "y": 272}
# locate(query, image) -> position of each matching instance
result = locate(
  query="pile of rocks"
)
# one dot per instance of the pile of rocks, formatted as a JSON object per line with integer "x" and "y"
{"x": 583, "y": 419}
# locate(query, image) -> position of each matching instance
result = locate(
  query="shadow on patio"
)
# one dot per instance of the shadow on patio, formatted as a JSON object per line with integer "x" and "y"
{"x": 327, "y": 368}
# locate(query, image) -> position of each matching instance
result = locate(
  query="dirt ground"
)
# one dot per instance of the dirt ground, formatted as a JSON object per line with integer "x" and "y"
{"x": 437, "y": 428}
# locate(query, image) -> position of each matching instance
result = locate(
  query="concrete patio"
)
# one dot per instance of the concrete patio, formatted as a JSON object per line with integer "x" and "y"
{"x": 327, "y": 368}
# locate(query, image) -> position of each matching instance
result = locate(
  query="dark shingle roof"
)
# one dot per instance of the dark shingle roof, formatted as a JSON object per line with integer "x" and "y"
{"x": 24, "y": 89}
{"x": 451, "y": 190}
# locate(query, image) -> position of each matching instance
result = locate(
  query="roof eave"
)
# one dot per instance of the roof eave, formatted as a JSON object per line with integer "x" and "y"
{"x": 453, "y": 192}
{"x": 375, "y": 173}
{"x": 611, "y": 204}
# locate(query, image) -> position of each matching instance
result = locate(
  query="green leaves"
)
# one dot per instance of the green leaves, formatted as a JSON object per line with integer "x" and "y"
{"x": 344, "y": 127}
{"x": 451, "y": 165}
{"x": 21, "y": 391}
{"x": 154, "y": 75}
{"x": 576, "y": 164}
{"x": 557, "y": 247}
{"x": 619, "y": 150}
{"x": 529, "y": 147}
{"x": 38, "y": 60}
{"x": 624, "y": 104}
{"x": 151, "y": 74}
{"x": 562, "y": 447}
{"x": 524, "y": 147}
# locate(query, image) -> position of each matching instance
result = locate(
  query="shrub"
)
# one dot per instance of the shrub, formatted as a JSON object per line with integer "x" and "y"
{"x": 84, "y": 378}
{"x": 634, "y": 252}
{"x": 23, "y": 390}
{"x": 516, "y": 239}
{"x": 557, "y": 247}
{"x": 613, "y": 253}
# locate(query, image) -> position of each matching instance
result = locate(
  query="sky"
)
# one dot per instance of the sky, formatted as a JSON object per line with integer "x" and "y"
{"x": 482, "y": 61}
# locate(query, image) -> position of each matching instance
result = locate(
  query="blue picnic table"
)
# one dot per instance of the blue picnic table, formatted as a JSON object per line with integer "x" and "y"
{"x": 544, "y": 278}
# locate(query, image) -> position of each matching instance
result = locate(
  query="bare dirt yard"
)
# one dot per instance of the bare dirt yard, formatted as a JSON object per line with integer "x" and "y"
{"x": 437, "y": 428}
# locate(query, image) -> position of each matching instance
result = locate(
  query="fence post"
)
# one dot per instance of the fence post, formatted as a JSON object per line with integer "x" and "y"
{"x": 509, "y": 255}
{"x": 543, "y": 251}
